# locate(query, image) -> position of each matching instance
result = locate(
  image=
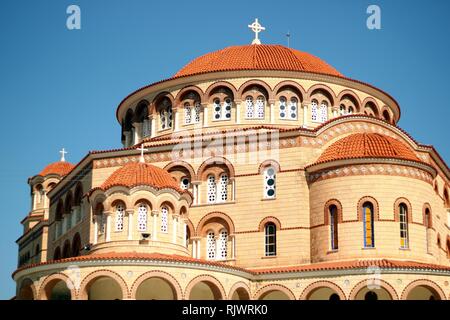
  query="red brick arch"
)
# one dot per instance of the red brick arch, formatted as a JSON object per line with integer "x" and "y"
{"x": 384, "y": 284}
{"x": 274, "y": 287}
{"x": 224, "y": 84}
{"x": 322, "y": 284}
{"x": 216, "y": 286}
{"x": 174, "y": 284}
{"x": 183, "y": 164}
{"x": 89, "y": 279}
{"x": 237, "y": 286}
{"x": 425, "y": 283}
{"x": 43, "y": 293}
{"x": 219, "y": 161}
{"x": 212, "y": 215}
{"x": 254, "y": 82}
{"x": 185, "y": 90}
{"x": 266, "y": 220}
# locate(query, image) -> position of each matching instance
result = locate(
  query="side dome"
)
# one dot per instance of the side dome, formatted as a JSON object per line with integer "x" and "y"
{"x": 367, "y": 145}
{"x": 136, "y": 174}
{"x": 257, "y": 57}
{"x": 61, "y": 168}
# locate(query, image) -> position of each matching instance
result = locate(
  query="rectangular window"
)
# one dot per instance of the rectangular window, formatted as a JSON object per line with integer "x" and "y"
{"x": 368, "y": 227}
{"x": 271, "y": 244}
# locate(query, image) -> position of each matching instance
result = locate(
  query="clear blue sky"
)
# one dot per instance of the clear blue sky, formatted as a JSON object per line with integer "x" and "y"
{"x": 60, "y": 88}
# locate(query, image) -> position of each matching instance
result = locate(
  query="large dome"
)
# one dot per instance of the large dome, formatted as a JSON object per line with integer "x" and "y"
{"x": 367, "y": 145}
{"x": 257, "y": 57}
{"x": 135, "y": 174}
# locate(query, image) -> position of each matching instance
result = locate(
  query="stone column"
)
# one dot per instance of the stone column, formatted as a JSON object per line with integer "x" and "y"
{"x": 184, "y": 233}
{"x": 272, "y": 112}
{"x": 195, "y": 191}
{"x": 198, "y": 248}
{"x": 305, "y": 114}
{"x": 108, "y": 226}
{"x": 137, "y": 132}
{"x": 153, "y": 125}
{"x": 194, "y": 249}
{"x": 233, "y": 189}
{"x": 95, "y": 230}
{"x": 33, "y": 201}
{"x": 233, "y": 246}
{"x": 155, "y": 215}
{"x": 205, "y": 114}
{"x": 238, "y": 112}
{"x": 176, "y": 119}
{"x": 130, "y": 213}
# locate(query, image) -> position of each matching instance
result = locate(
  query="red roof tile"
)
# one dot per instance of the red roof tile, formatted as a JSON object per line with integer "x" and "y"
{"x": 135, "y": 174}
{"x": 367, "y": 145}
{"x": 61, "y": 168}
{"x": 257, "y": 57}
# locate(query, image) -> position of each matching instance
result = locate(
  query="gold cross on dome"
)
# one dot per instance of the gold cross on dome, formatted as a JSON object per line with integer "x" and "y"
{"x": 142, "y": 149}
{"x": 256, "y": 28}
{"x": 63, "y": 153}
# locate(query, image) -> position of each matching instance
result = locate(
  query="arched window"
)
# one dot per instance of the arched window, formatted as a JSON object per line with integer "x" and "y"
{"x": 428, "y": 223}
{"x": 314, "y": 111}
{"x": 187, "y": 113}
{"x": 222, "y": 248}
{"x": 210, "y": 245}
{"x": 270, "y": 239}
{"x": 403, "y": 217}
{"x": 446, "y": 198}
{"x": 142, "y": 217}
{"x": 164, "y": 219}
{"x": 293, "y": 109}
{"x": 367, "y": 211}
{"x": 223, "y": 188}
{"x": 371, "y": 296}
{"x": 260, "y": 107}
{"x": 323, "y": 113}
{"x": 120, "y": 213}
{"x": 249, "y": 108}
{"x": 184, "y": 183}
{"x": 212, "y": 192}
{"x": 283, "y": 108}
{"x": 333, "y": 211}
{"x": 165, "y": 114}
{"x": 269, "y": 183}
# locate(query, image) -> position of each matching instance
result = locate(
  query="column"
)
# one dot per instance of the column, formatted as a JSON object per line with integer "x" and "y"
{"x": 33, "y": 201}
{"x": 238, "y": 112}
{"x": 198, "y": 249}
{"x": 95, "y": 230}
{"x": 195, "y": 191}
{"x": 108, "y": 226}
{"x": 174, "y": 228}
{"x": 137, "y": 132}
{"x": 176, "y": 119}
{"x": 184, "y": 233}
{"x": 45, "y": 199}
{"x": 335, "y": 112}
{"x": 305, "y": 114}
{"x": 194, "y": 249}
{"x": 127, "y": 135}
{"x": 233, "y": 189}
{"x": 153, "y": 125}
{"x": 130, "y": 224}
{"x": 205, "y": 115}
{"x": 155, "y": 214}
{"x": 272, "y": 112}
{"x": 146, "y": 128}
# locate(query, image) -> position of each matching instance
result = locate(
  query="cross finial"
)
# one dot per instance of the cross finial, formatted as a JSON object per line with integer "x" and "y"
{"x": 256, "y": 28}
{"x": 63, "y": 153}
{"x": 142, "y": 149}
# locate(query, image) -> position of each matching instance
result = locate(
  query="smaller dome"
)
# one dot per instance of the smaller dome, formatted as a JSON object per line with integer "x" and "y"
{"x": 136, "y": 174}
{"x": 60, "y": 168}
{"x": 367, "y": 145}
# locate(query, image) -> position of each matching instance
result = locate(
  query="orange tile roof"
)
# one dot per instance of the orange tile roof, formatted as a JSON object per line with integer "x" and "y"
{"x": 367, "y": 145}
{"x": 61, "y": 168}
{"x": 322, "y": 266}
{"x": 257, "y": 57}
{"x": 135, "y": 174}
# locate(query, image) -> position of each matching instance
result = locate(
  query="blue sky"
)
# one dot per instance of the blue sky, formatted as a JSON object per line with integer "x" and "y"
{"x": 60, "y": 88}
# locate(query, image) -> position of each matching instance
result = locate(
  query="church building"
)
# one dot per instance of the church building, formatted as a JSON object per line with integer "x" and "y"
{"x": 255, "y": 172}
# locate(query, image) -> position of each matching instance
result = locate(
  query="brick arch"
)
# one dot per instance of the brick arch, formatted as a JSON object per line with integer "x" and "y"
{"x": 219, "y": 161}
{"x": 239, "y": 285}
{"x": 115, "y": 197}
{"x": 326, "y": 89}
{"x": 191, "y": 227}
{"x": 290, "y": 83}
{"x": 87, "y": 281}
{"x": 183, "y": 164}
{"x": 254, "y": 82}
{"x": 225, "y": 84}
{"x": 217, "y": 289}
{"x": 160, "y": 96}
{"x": 32, "y": 286}
{"x": 174, "y": 284}
{"x": 212, "y": 215}
{"x": 43, "y": 295}
{"x": 423, "y": 282}
{"x": 424, "y": 210}
{"x": 266, "y": 220}
{"x": 389, "y": 112}
{"x": 371, "y": 100}
{"x": 347, "y": 92}
{"x": 322, "y": 284}
{"x": 397, "y": 209}
{"x": 268, "y": 163}
{"x": 376, "y": 212}
{"x": 337, "y": 203}
{"x": 274, "y": 287}
{"x": 384, "y": 284}
{"x": 186, "y": 89}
